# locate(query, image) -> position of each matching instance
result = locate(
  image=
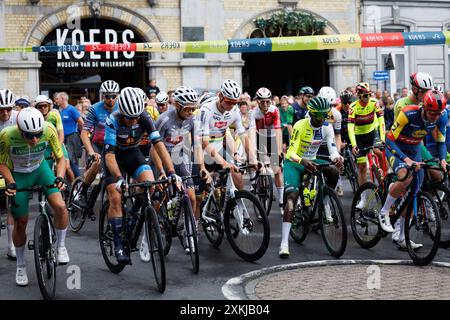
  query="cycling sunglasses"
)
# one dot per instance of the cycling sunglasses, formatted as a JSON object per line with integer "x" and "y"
{"x": 110, "y": 96}
{"x": 320, "y": 115}
{"x": 9, "y": 109}
{"x": 42, "y": 106}
{"x": 189, "y": 109}
{"x": 230, "y": 100}
{"x": 435, "y": 113}
{"x": 365, "y": 95}
{"x": 31, "y": 135}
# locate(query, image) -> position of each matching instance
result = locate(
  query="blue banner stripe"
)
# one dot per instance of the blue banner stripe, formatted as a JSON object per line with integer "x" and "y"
{"x": 423, "y": 38}
{"x": 250, "y": 45}
{"x": 64, "y": 48}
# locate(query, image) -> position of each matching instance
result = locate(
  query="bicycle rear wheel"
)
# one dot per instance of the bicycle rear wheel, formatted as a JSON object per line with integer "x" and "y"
{"x": 300, "y": 225}
{"x": 364, "y": 221}
{"x": 165, "y": 227}
{"x": 190, "y": 234}
{"x": 352, "y": 174}
{"x": 45, "y": 256}
{"x": 332, "y": 223}
{"x": 264, "y": 192}
{"x": 441, "y": 196}
{"x": 246, "y": 226}
{"x": 155, "y": 247}
{"x": 213, "y": 229}
{"x": 77, "y": 215}
{"x": 106, "y": 239}
{"x": 425, "y": 229}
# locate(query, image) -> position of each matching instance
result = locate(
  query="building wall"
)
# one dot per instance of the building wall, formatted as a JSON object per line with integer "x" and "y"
{"x": 22, "y": 24}
{"x": 414, "y": 16}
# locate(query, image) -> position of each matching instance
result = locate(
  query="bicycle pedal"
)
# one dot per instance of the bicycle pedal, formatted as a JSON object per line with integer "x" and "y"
{"x": 30, "y": 244}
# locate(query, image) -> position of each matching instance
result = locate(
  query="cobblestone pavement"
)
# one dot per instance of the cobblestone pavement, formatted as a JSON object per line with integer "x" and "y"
{"x": 347, "y": 281}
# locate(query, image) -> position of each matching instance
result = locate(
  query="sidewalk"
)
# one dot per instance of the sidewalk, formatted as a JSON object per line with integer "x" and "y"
{"x": 343, "y": 280}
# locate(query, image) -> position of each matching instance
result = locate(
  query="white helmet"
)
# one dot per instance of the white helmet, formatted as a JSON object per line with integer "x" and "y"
{"x": 207, "y": 98}
{"x": 30, "y": 120}
{"x": 141, "y": 93}
{"x": 263, "y": 93}
{"x": 130, "y": 102}
{"x": 421, "y": 80}
{"x": 439, "y": 88}
{"x": 162, "y": 97}
{"x": 185, "y": 95}
{"x": 109, "y": 86}
{"x": 231, "y": 89}
{"x": 41, "y": 99}
{"x": 328, "y": 93}
{"x": 7, "y": 98}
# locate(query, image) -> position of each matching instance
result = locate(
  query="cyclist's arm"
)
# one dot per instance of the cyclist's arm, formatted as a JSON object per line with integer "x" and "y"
{"x": 381, "y": 124}
{"x": 88, "y": 127}
{"x": 110, "y": 146}
{"x": 330, "y": 140}
{"x": 294, "y": 149}
{"x": 56, "y": 146}
{"x": 438, "y": 134}
{"x": 4, "y": 157}
{"x": 156, "y": 160}
{"x": 6, "y": 173}
{"x": 59, "y": 126}
{"x": 337, "y": 127}
{"x": 400, "y": 122}
{"x": 351, "y": 126}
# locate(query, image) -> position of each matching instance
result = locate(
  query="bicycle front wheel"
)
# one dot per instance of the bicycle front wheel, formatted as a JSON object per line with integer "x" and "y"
{"x": 190, "y": 234}
{"x": 246, "y": 226}
{"x": 441, "y": 196}
{"x": 300, "y": 225}
{"x": 424, "y": 229}
{"x": 155, "y": 247}
{"x": 332, "y": 223}
{"x": 364, "y": 216}
{"x": 45, "y": 256}
{"x": 165, "y": 226}
{"x": 264, "y": 192}
{"x": 77, "y": 215}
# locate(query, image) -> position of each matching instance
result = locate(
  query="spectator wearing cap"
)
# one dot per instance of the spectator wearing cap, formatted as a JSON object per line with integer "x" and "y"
{"x": 300, "y": 110}
{"x": 71, "y": 119}
{"x": 22, "y": 102}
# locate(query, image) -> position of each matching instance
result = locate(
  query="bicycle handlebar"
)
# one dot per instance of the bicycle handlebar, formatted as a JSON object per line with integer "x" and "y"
{"x": 38, "y": 188}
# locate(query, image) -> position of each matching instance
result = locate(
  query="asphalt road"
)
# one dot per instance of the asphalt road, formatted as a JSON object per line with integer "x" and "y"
{"x": 137, "y": 282}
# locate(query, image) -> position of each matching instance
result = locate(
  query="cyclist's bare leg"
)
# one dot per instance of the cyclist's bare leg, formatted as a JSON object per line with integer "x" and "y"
{"x": 115, "y": 204}
{"x": 238, "y": 180}
{"x": 69, "y": 173}
{"x": 362, "y": 170}
{"x": 59, "y": 207}
{"x": 91, "y": 173}
{"x": 19, "y": 232}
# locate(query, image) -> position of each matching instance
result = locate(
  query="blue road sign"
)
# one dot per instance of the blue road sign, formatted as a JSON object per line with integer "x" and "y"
{"x": 381, "y": 75}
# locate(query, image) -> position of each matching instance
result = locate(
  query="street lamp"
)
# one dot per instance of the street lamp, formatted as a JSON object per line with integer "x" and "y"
{"x": 34, "y": 2}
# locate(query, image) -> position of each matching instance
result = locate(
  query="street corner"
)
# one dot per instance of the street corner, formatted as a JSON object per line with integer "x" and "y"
{"x": 343, "y": 280}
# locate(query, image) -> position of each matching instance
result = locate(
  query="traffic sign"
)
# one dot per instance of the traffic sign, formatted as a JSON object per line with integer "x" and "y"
{"x": 381, "y": 75}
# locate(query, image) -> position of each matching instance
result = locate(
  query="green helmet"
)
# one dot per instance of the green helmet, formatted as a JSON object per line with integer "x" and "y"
{"x": 319, "y": 105}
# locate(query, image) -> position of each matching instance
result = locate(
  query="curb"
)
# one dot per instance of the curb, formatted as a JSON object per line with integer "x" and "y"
{"x": 242, "y": 287}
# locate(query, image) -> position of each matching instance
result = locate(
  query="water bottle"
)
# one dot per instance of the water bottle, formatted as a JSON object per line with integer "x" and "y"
{"x": 312, "y": 194}
{"x": 306, "y": 195}
{"x": 170, "y": 209}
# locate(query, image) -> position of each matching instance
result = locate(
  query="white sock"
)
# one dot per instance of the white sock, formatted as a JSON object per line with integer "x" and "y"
{"x": 61, "y": 237}
{"x": 20, "y": 256}
{"x": 402, "y": 230}
{"x": 10, "y": 228}
{"x": 252, "y": 175}
{"x": 340, "y": 182}
{"x": 388, "y": 204}
{"x": 286, "y": 227}
{"x": 280, "y": 194}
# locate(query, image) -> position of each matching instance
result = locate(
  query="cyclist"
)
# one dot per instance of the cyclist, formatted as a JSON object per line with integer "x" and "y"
{"x": 8, "y": 117}
{"x": 300, "y": 105}
{"x": 215, "y": 116}
{"x": 125, "y": 129}
{"x": 306, "y": 138}
{"x": 403, "y": 149}
{"x": 162, "y": 101}
{"x": 95, "y": 124}
{"x": 362, "y": 117}
{"x": 265, "y": 120}
{"x": 178, "y": 132}
{"x": 22, "y": 165}
{"x": 22, "y": 102}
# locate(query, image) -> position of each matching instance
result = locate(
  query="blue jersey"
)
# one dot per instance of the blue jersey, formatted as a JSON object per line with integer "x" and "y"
{"x": 69, "y": 117}
{"x": 299, "y": 112}
{"x": 430, "y": 142}
{"x": 119, "y": 136}
{"x": 409, "y": 130}
{"x": 95, "y": 121}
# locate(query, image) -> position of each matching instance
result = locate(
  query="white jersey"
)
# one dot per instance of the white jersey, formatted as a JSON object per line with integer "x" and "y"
{"x": 266, "y": 124}
{"x": 214, "y": 124}
{"x": 11, "y": 121}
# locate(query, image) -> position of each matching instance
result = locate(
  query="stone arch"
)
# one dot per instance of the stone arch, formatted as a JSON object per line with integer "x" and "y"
{"x": 45, "y": 24}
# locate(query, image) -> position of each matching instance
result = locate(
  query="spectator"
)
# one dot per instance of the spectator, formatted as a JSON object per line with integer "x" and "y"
{"x": 396, "y": 96}
{"x": 276, "y": 101}
{"x": 386, "y": 93}
{"x": 287, "y": 118}
{"x": 447, "y": 95}
{"x": 388, "y": 109}
{"x": 171, "y": 99}
{"x": 152, "y": 88}
{"x": 404, "y": 92}
{"x": 85, "y": 106}
{"x": 55, "y": 101}
{"x": 245, "y": 112}
{"x": 71, "y": 118}
{"x": 22, "y": 102}
{"x": 378, "y": 95}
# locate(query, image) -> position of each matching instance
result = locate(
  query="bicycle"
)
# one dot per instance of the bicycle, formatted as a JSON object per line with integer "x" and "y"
{"x": 262, "y": 187}
{"x": 78, "y": 214}
{"x": 145, "y": 215}
{"x": 43, "y": 244}
{"x": 350, "y": 170}
{"x": 419, "y": 206}
{"x": 377, "y": 171}
{"x": 223, "y": 211}
{"x": 323, "y": 208}
{"x": 184, "y": 228}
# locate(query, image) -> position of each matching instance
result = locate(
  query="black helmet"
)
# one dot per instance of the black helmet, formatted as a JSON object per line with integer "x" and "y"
{"x": 306, "y": 90}
{"x": 346, "y": 97}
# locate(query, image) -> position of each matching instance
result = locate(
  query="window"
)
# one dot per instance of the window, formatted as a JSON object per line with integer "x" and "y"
{"x": 193, "y": 34}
